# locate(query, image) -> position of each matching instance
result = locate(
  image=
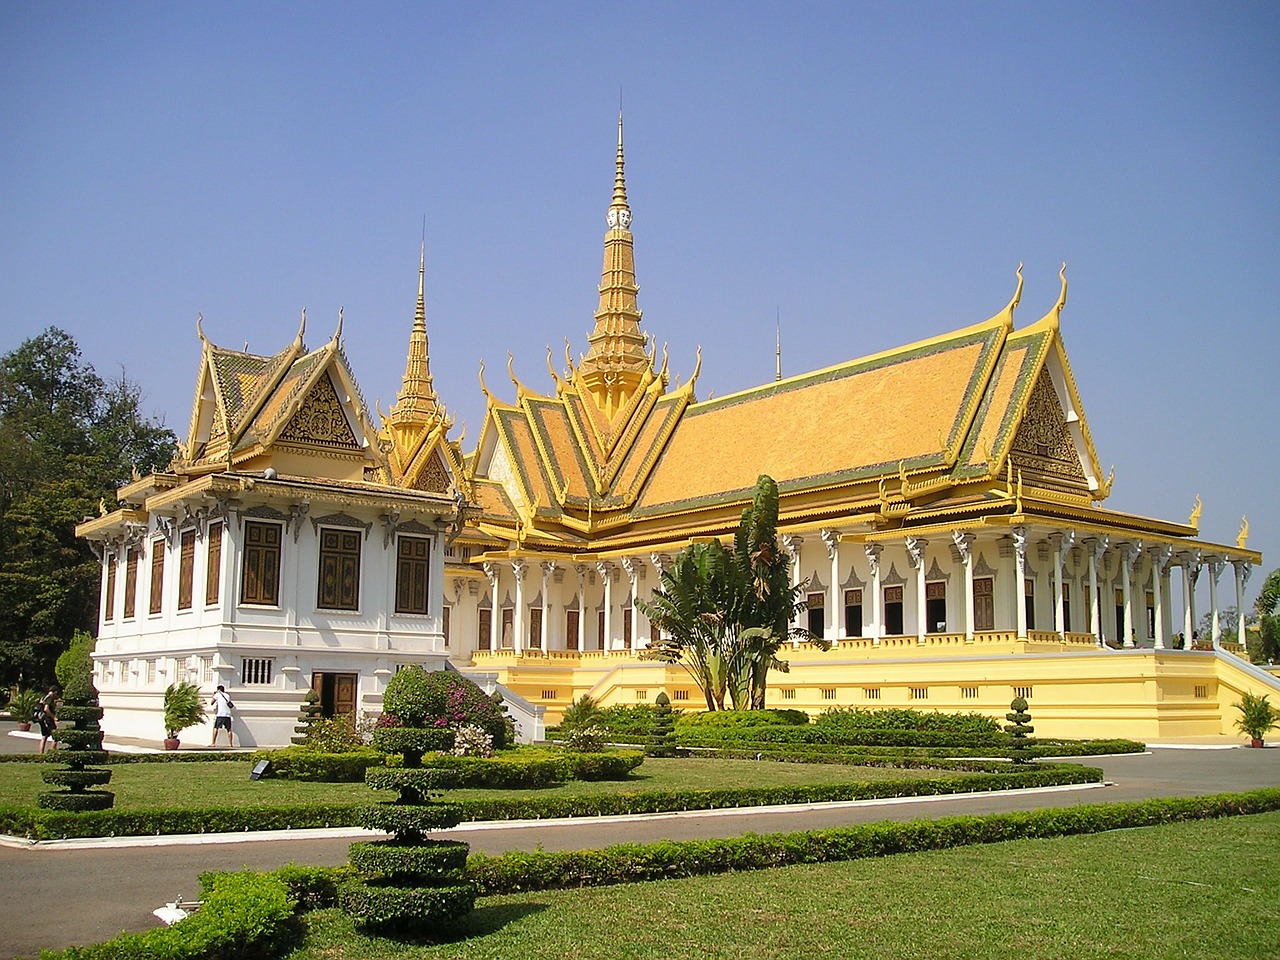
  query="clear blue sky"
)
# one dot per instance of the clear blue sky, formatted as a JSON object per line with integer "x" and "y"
{"x": 873, "y": 173}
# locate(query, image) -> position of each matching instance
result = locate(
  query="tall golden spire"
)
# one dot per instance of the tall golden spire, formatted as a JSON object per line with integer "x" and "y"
{"x": 417, "y": 402}
{"x": 616, "y": 362}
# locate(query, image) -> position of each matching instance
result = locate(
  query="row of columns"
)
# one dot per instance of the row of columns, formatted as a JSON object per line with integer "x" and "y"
{"x": 1161, "y": 558}
{"x": 631, "y": 566}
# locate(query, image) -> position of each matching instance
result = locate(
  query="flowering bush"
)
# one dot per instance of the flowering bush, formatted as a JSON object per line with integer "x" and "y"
{"x": 387, "y": 720}
{"x": 443, "y": 699}
{"x": 470, "y": 741}
{"x": 588, "y": 739}
{"x": 334, "y": 735}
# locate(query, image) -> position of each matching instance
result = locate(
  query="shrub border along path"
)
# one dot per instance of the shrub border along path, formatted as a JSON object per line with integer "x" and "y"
{"x": 49, "y": 825}
{"x": 238, "y": 923}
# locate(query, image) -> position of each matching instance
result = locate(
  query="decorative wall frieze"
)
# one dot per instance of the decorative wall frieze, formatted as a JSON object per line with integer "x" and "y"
{"x": 893, "y": 578}
{"x": 936, "y": 573}
{"x": 340, "y": 520}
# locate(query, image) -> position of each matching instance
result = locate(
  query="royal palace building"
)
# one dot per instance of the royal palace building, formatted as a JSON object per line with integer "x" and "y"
{"x": 948, "y": 526}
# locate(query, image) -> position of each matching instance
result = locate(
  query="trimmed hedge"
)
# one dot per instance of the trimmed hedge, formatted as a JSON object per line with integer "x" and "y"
{"x": 302, "y": 763}
{"x": 244, "y": 915}
{"x": 39, "y": 825}
{"x": 444, "y": 858}
{"x": 388, "y": 908}
{"x": 850, "y": 719}
{"x": 631, "y": 863}
{"x": 741, "y": 719}
{"x": 816, "y": 734}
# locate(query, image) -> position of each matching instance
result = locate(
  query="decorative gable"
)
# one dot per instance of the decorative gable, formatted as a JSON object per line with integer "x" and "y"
{"x": 321, "y": 420}
{"x": 1043, "y": 448}
{"x": 434, "y": 477}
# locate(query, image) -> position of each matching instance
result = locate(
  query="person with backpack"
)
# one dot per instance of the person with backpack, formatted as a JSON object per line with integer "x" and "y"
{"x": 46, "y": 715}
{"x": 222, "y": 707}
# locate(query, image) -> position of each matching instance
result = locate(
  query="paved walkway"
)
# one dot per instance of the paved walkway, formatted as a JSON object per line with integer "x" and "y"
{"x": 129, "y": 881}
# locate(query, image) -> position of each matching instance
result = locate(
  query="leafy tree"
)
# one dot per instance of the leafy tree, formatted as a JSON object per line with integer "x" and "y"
{"x": 725, "y": 614}
{"x": 68, "y": 439}
{"x": 1268, "y": 620}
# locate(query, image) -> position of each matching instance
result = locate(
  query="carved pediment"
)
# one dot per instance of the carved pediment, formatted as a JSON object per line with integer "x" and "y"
{"x": 321, "y": 420}
{"x": 1043, "y": 448}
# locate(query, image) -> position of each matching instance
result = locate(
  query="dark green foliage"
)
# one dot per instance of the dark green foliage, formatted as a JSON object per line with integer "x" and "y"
{"x": 80, "y": 739}
{"x": 713, "y": 736}
{"x": 77, "y": 800}
{"x": 1257, "y": 716}
{"x": 1019, "y": 730}
{"x": 583, "y": 712}
{"x": 331, "y": 735}
{"x": 68, "y": 439}
{"x": 394, "y": 909}
{"x": 308, "y": 715}
{"x": 661, "y": 741}
{"x": 74, "y": 670}
{"x": 408, "y": 820}
{"x": 742, "y": 719}
{"x": 414, "y": 783}
{"x": 244, "y": 915}
{"x": 899, "y": 718}
{"x": 303, "y": 763}
{"x": 313, "y": 888}
{"x": 444, "y": 859}
{"x": 182, "y": 708}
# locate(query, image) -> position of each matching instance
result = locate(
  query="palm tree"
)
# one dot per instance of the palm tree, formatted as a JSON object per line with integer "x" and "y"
{"x": 725, "y": 615}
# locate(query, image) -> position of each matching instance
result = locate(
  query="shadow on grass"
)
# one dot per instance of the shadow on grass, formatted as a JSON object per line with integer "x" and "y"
{"x": 332, "y": 926}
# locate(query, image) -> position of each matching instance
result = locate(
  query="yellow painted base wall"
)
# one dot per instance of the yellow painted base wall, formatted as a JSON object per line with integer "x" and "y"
{"x": 1079, "y": 693}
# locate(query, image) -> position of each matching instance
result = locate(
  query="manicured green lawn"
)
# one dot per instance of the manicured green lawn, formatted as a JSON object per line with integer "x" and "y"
{"x": 1204, "y": 889}
{"x": 155, "y": 785}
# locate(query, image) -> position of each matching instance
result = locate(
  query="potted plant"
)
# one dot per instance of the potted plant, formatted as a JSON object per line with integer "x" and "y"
{"x": 1257, "y": 717}
{"x": 182, "y": 709}
{"x": 22, "y": 706}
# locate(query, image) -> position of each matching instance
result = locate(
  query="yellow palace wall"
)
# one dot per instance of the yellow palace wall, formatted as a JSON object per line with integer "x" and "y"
{"x": 1136, "y": 694}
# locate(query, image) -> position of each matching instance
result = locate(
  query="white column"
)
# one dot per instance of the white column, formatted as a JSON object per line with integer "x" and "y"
{"x": 792, "y": 544}
{"x": 548, "y": 568}
{"x": 632, "y": 568}
{"x": 518, "y": 621}
{"x": 1215, "y": 572}
{"x": 1128, "y": 554}
{"x": 835, "y": 620}
{"x": 606, "y": 574}
{"x": 1020, "y": 588}
{"x": 964, "y": 544}
{"x": 495, "y": 610}
{"x": 1243, "y": 568}
{"x": 580, "y": 571}
{"x": 1095, "y": 624}
{"x": 1059, "y": 617}
{"x": 915, "y": 554}
{"x": 1190, "y": 574}
{"x": 873, "y": 551}
{"x": 1159, "y": 559}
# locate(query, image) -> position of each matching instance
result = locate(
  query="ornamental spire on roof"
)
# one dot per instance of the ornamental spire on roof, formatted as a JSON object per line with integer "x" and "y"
{"x": 417, "y": 401}
{"x": 616, "y": 363}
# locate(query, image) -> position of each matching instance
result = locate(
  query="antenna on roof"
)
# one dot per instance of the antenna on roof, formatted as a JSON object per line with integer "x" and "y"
{"x": 777, "y": 373}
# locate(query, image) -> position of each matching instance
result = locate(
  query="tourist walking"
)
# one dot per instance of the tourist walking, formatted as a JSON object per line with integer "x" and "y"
{"x": 222, "y": 707}
{"x": 47, "y": 717}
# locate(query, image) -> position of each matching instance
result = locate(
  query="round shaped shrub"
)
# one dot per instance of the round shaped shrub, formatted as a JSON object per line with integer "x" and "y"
{"x": 440, "y": 860}
{"x": 79, "y": 715}
{"x": 75, "y": 802}
{"x": 410, "y": 820}
{"x": 391, "y": 908}
{"x": 78, "y": 758}
{"x": 78, "y": 739}
{"x": 75, "y": 779}
{"x": 445, "y": 700}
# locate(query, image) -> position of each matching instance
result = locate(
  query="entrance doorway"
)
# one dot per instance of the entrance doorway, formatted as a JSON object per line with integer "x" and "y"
{"x": 337, "y": 694}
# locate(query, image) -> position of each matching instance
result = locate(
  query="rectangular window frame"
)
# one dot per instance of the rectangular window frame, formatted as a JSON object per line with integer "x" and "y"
{"x": 338, "y": 570}
{"x": 413, "y": 575}
{"x": 109, "y": 591}
{"x": 155, "y": 597}
{"x": 260, "y": 578}
{"x": 186, "y": 568}
{"x": 213, "y": 564}
{"x": 130, "y": 583}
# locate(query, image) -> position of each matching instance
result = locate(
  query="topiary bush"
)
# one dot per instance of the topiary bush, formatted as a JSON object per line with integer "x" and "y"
{"x": 1019, "y": 731}
{"x": 308, "y": 715}
{"x": 80, "y": 738}
{"x": 661, "y": 741}
{"x": 443, "y": 699}
{"x": 410, "y": 883}
{"x": 857, "y": 719}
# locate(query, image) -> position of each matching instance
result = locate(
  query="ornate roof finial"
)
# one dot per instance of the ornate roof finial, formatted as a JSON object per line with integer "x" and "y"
{"x": 417, "y": 401}
{"x": 615, "y": 363}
